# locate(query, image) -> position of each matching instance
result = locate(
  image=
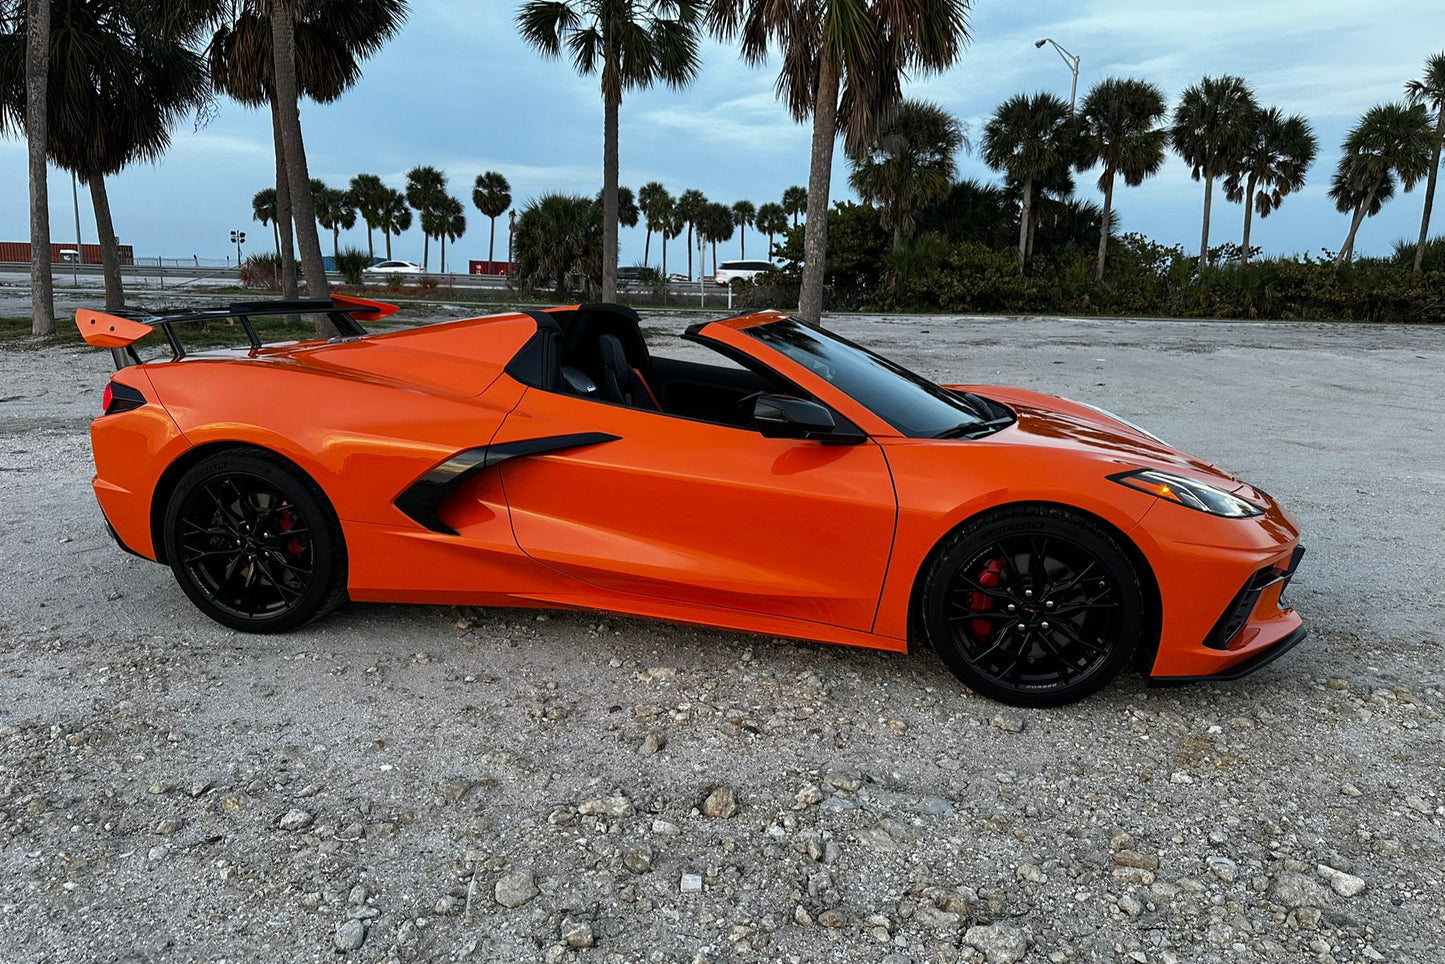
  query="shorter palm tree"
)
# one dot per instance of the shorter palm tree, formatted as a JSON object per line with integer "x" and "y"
{"x": 367, "y": 193}
{"x": 1212, "y": 128}
{"x": 795, "y": 202}
{"x": 771, "y": 220}
{"x": 1392, "y": 142}
{"x": 335, "y": 211}
{"x": 1429, "y": 90}
{"x": 744, "y": 213}
{"x": 448, "y": 221}
{"x": 655, "y": 204}
{"x": 393, "y": 216}
{"x": 909, "y": 164}
{"x": 558, "y": 237}
{"x": 426, "y": 187}
{"x": 492, "y": 195}
{"x": 1027, "y": 139}
{"x": 1276, "y": 159}
{"x": 715, "y": 226}
{"x": 690, "y": 206}
{"x": 1119, "y": 131}
{"x": 669, "y": 226}
{"x": 263, "y": 209}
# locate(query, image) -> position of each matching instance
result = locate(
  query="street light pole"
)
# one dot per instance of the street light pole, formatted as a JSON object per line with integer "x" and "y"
{"x": 79, "y": 248}
{"x": 1071, "y": 61}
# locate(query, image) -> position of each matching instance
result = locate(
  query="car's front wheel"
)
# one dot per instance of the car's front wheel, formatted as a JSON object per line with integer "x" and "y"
{"x": 254, "y": 542}
{"x": 1033, "y": 606}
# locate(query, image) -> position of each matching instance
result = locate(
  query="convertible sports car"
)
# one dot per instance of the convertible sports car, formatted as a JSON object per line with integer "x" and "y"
{"x": 797, "y": 485}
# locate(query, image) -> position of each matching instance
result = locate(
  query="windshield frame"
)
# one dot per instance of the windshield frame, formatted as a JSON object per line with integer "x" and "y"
{"x": 872, "y": 376}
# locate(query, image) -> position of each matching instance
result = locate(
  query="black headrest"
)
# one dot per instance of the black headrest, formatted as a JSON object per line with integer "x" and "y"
{"x": 609, "y": 347}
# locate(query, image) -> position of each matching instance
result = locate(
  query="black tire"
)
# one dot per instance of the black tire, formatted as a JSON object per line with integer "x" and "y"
{"x": 254, "y": 542}
{"x": 1033, "y": 606}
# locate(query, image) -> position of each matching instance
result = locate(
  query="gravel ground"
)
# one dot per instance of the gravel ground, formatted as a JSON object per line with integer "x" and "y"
{"x": 435, "y": 784}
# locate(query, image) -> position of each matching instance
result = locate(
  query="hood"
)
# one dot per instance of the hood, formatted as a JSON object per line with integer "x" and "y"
{"x": 1047, "y": 420}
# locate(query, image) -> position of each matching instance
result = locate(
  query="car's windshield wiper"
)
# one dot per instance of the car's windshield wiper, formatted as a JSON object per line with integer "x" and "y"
{"x": 976, "y": 429}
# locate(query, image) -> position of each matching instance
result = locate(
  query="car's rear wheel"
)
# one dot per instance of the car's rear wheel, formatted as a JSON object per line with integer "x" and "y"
{"x": 254, "y": 542}
{"x": 1034, "y": 606}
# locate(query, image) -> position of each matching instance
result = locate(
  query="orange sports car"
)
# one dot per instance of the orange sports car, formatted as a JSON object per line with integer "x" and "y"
{"x": 795, "y": 484}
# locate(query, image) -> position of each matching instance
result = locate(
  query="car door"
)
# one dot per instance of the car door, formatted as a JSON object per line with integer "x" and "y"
{"x": 702, "y": 513}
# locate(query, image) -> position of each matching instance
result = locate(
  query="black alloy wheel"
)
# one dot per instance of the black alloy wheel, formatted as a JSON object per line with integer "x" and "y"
{"x": 254, "y": 543}
{"x": 1033, "y": 606}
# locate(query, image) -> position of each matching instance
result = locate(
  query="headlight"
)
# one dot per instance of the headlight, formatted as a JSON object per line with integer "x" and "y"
{"x": 1119, "y": 418}
{"x": 1188, "y": 493}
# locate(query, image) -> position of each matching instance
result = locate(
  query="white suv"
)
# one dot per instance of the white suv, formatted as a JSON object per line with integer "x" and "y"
{"x": 730, "y": 271}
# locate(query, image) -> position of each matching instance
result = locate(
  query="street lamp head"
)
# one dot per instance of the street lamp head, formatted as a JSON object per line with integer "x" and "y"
{"x": 1040, "y": 43}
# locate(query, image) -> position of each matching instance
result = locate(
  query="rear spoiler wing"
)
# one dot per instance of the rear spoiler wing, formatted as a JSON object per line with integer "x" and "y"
{"x": 120, "y": 331}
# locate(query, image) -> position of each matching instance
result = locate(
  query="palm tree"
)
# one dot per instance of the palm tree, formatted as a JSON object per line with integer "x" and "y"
{"x": 263, "y": 209}
{"x": 492, "y": 195}
{"x": 276, "y": 51}
{"x": 97, "y": 127}
{"x": 558, "y": 236}
{"x": 669, "y": 226}
{"x": 425, "y": 189}
{"x": 1429, "y": 90}
{"x": 771, "y": 220}
{"x": 335, "y": 211}
{"x": 1027, "y": 139}
{"x": 715, "y": 225}
{"x": 1212, "y": 127}
{"x": 843, "y": 63}
{"x": 1391, "y": 141}
{"x": 655, "y": 203}
{"x": 1119, "y": 130}
{"x": 393, "y": 216}
{"x": 795, "y": 202}
{"x": 367, "y": 192}
{"x": 744, "y": 213}
{"x": 909, "y": 164}
{"x": 632, "y": 46}
{"x": 447, "y": 221}
{"x": 37, "y": 112}
{"x": 690, "y": 205}
{"x": 1276, "y": 159}
{"x": 628, "y": 213}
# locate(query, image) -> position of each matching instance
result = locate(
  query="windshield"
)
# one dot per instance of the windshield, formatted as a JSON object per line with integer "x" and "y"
{"x": 910, "y": 403}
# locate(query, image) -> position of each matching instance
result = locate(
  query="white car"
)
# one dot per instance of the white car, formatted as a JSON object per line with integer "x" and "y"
{"x": 730, "y": 271}
{"x": 394, "y": 267}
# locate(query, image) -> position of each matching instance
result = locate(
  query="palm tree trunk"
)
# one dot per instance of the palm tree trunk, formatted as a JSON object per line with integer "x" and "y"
{"x": 335, "y": 245}
{"x": 647, "y": 246}
{"x": 743, "y": 240}
{"x": 689, "y": 251}
{"x": 1430, "y": 191}
{"x": 444, "y": 254}
{"x": 286, "y": 246}
{"x": 370, "y": 242}
{"x": 491, "y": 246}
{"x": 387, "y": 234}
{"x": 1104, "y": 225}
{"x": 1348, "y": 250}
{"x": 425, "y": 251}
{"x": 283, "y": 45}
{"x": 37, "y": 86}
{"x": 820, "y": 176}
{"x": 1025, "y": 217}
{"x": 663, "y": 234}
{"x": 109, "y": 250}
{"x": 276, "y": 235}
{"x": 609, "y": 195}
{"x": 1204, "y": 237}
{"x": 1248, "y": 220}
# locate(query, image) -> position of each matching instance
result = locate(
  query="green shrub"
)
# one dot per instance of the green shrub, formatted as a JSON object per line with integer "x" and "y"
{"x": 351, "y": 262}
{"x": 427, "y": 283}
{"x": 263, "y": 271}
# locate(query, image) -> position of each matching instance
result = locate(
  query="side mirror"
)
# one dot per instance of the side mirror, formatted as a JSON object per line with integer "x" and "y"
{"x": 782, "y": 416}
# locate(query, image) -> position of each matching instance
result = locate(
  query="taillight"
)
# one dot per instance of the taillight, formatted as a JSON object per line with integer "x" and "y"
{"x": 120, "y": 398}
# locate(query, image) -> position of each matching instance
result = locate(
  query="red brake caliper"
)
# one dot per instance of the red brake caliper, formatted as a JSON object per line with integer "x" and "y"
{"x": 990, "y": 578}
{"x": 296, "y": 545}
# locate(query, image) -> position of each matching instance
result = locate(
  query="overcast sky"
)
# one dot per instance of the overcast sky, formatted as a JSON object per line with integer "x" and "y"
{"x": 460, "y": 91}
